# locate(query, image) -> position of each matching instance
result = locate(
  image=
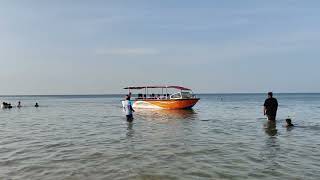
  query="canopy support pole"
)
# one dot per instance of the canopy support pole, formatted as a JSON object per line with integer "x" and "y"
{"x": 145, "y": 93}
{"x": 167, "y": 92}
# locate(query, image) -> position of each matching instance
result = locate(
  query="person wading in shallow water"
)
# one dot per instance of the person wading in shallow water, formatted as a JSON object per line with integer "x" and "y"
{"x": 127, "y": 108}
{"x": 270, "y": 107}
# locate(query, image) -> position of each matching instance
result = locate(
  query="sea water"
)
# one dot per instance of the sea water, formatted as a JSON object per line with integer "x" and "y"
{"x": 222, "y": 137}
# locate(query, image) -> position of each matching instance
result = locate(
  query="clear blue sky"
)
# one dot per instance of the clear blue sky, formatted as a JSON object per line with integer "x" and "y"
{"x": 81, "y": 47}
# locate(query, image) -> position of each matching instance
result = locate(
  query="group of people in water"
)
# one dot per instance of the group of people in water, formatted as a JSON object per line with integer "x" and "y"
{"x": 270, "y": 109}
{"x": 6, "y": 105}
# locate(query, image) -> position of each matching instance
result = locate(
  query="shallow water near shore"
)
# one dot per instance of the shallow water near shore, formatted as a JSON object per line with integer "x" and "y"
{"x": 222, "y": 137}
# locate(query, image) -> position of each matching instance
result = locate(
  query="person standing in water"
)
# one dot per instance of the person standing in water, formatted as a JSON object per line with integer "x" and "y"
{"x": 127, "y": 108}
{"x": 37, "y": 105}
{"x": 270, "y": 107}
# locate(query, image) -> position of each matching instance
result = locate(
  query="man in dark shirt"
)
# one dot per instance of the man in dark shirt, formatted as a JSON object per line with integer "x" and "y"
{"x": 271, "y": 107}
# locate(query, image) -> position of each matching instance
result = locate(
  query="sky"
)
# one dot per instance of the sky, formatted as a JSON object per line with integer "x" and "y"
{"x": 211, "y": 46}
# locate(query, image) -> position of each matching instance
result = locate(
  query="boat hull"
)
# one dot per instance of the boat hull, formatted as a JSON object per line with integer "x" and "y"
{"x": 165, "y": 103}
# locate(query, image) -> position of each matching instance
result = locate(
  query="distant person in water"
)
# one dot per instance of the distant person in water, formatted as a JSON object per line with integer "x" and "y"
{"x": 127, "y": 108}
{"x": 37, "y": 105}
{"x": 270, "y": 107}
{"x": 5, "y": 105}
{"x": 19, "y": 104}
{"x": 289, "y": 123}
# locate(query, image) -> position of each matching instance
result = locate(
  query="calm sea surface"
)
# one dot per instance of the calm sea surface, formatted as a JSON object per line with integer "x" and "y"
{"x": 223, "y": 137}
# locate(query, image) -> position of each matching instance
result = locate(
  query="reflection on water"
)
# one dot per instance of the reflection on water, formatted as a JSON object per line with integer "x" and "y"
{"x": 271, "y": 128}
{"x": 290, "y": 128}
{"x": 130, "y": 131}
{"x": 270, "y": 153}
{"x": 166, "y": 115}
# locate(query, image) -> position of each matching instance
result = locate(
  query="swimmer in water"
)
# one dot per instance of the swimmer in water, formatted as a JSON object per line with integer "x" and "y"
{"x": 37, "y": 105}
{"x": 289, "y": 123}
{"x": 19, "y": 104}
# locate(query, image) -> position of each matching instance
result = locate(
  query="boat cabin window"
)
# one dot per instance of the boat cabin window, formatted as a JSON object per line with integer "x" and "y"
{"x": 182, "y": 95}
{"x": 176, "y": 96}
{"x": 186, "y": 95}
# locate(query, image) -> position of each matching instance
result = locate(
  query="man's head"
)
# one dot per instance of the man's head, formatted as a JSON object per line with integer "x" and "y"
{"x": 270, "y": 94}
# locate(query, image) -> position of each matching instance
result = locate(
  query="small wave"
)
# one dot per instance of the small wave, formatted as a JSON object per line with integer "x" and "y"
{"x": 155, "y": 177}
{"x": 61, "y": 144}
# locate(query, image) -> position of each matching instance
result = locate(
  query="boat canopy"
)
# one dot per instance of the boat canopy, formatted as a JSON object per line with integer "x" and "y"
{"x": 154, "y": 87}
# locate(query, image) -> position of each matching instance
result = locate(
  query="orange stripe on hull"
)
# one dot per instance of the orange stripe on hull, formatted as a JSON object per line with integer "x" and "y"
{"x": 174, "y": 104}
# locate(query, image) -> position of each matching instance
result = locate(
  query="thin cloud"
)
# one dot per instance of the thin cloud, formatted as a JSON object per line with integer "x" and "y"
{"x": 127, "y": 51}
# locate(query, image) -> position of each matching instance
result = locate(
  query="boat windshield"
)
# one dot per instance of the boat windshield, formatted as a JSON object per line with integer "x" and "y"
{"x": 187, "y": 95}
{"x": 182, "y": 95}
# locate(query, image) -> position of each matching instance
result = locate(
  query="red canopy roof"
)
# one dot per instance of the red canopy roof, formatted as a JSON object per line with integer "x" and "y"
{"x": 149, "y": 87}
